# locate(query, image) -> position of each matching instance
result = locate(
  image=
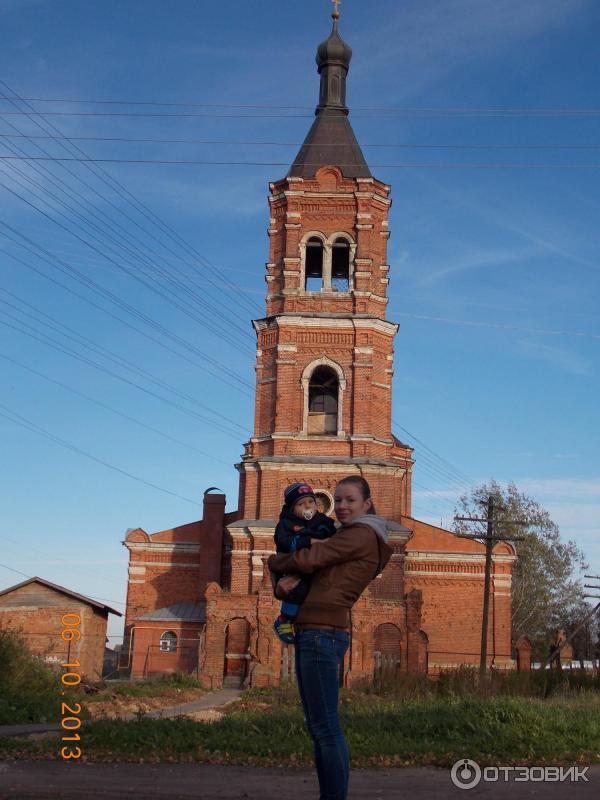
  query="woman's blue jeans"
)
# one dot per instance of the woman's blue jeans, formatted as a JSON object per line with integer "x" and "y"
{"x": 319, "y": 654}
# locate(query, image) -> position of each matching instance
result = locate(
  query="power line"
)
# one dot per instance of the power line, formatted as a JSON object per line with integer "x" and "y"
{"x": 419, "y": 109}
{"x": 31, "y": 548}
{"x": 23, "y": 422}
{"x": 18, "y": 571}
{"x": 81, "y": 340}
{"x": 479, "y": 324}
{"x": 122, "y": 192}
{"x": 149, "y": 281}
{"x": 208, "y": 163}
{"x": 74, "y": 274}
{"x": 84, "y": 359}
{"x": 31, "y": 577}
{"x": 137, "y": 255}
{"x": 139, "y": 247}
{"x": 324, "y": 145}
{"x": 200, "y": 299}
{"x": 442, "y": 506}
{"x": 99, "y": 403}
{"x": 463, "y": 476}
{"x": 362, "y": 112}
{"x": 439, "y": 471}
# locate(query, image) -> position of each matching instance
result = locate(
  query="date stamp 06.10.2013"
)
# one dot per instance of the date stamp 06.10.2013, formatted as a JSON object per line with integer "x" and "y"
{"x": 70, "y": 720}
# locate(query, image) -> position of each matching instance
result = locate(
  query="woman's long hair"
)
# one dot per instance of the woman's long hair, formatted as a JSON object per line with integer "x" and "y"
{"x": 364, "y": 488}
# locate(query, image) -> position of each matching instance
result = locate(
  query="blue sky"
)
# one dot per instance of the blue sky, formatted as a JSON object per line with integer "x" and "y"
{"x": 484, "y": 118}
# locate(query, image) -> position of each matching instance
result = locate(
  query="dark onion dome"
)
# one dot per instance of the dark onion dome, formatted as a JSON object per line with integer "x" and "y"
{"x": 334, "y": 50}
{"x": 331, "y": 140}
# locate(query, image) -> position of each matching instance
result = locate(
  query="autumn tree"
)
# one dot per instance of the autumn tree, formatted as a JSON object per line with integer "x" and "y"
{"x": 546, "y": 592}
{"x": 581, "y": 624}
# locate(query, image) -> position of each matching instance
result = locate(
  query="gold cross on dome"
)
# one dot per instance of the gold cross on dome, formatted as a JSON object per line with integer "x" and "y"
{"x": 336, "y": 8}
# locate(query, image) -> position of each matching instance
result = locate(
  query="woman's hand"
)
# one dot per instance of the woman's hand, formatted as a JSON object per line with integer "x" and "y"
{"x": 285, "y": 586}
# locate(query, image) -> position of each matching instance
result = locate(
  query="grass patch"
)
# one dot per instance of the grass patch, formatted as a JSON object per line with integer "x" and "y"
{"x": 265, "y": 729}
{"x": 515, "y": 718}
{"x": 504, "y": 730}
{"x": 466, "y": 682}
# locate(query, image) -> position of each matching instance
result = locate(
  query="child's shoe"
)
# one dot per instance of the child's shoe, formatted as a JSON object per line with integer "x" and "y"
{"x": 284, "y": 628}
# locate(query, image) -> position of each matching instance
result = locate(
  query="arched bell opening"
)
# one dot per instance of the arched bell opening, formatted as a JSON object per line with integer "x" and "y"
{"x": 313, "y": 266}
{"x": 323, "y": 386}
{"x": 340, "y": 265}
{"x": 323, "y": 394}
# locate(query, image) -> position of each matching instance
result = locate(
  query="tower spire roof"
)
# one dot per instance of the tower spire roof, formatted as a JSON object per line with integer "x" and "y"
{"x": 331, "y": 139}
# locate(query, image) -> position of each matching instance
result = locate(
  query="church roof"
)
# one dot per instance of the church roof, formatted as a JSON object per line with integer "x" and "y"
{"x": 331, "y": 140}
{"x": 256, "y": 523}
{"x": 178, "y": 612}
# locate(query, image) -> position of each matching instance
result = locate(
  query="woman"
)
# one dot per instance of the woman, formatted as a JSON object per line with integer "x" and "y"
{"x": 344, "y": 565}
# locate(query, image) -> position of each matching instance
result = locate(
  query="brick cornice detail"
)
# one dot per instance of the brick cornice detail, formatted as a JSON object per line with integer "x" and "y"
{"x": 163, "y": 547}
{"x": 327, "y": 321}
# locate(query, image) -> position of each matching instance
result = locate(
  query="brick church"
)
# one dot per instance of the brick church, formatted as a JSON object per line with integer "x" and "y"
{"x": 199, "y": 598}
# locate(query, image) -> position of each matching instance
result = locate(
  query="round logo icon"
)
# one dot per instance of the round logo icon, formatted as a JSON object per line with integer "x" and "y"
{"x": 465, "y": 773}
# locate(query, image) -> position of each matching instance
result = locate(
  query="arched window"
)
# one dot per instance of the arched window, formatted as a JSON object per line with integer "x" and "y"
{"x": 323, "y": 390}
{"x": 313, "y": 269}
{"x": 324, "y": 501}
{"x": 340, "y": 265}
{"x": 168, "y": 642}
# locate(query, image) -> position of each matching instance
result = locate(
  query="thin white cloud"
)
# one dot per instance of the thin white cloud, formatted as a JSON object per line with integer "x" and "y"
{"x": 544, "y": 240}
{"x": 559, "y": 357}
{"x": 542, "y": 233}
{"x": 434, "y": 38}
{"x": 198, "y": 193}
{"x": 586, "y": 488}
{"x": 473, "y": 259}
{"x": 574, "y": 504}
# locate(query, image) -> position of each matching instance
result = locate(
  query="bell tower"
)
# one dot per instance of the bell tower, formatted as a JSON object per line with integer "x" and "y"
{"x": 324, "y": 358}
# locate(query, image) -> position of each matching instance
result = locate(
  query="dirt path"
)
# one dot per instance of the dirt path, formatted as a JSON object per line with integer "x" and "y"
{"x": 205, "y": 709}
{"x": 45, "y": 780}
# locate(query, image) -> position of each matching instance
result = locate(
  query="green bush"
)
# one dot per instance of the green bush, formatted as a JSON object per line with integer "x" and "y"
{"x": 29, "y": 689}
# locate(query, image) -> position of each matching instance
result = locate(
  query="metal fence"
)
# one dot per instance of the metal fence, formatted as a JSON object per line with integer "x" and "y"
{"x": 183, "y": 659}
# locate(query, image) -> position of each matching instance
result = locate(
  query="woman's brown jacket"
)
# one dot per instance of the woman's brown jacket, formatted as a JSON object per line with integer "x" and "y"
{"x": 343, "y": 567}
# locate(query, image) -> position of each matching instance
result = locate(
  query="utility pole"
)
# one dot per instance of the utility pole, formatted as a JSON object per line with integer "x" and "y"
{"x": 588, "y": 616}
{"x": 490, "y": 538}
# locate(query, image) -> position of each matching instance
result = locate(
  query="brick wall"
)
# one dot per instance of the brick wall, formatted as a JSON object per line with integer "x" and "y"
{"x": 449, "y": 572}
{"x": 146, "y": 657}
{"x": 36, "y": 610}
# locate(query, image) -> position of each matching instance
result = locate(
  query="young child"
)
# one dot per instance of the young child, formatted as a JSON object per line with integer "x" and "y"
{"x": 299, "y": 522}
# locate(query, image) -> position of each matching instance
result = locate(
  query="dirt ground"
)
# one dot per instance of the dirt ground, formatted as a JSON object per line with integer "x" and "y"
{"x": 43, "y": 780}
{"x": 115, "y": 705}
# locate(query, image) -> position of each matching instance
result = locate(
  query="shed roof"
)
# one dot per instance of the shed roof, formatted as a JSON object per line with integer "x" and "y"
{"x": 63, "y": 590}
